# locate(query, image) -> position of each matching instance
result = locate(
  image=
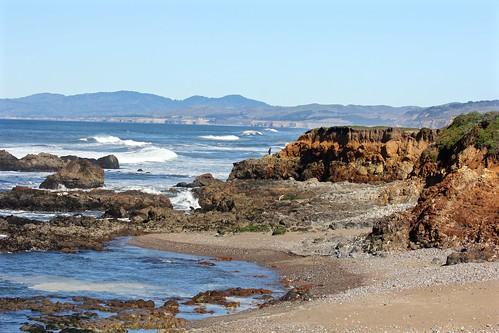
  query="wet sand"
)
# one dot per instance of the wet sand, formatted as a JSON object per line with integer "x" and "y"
{"x": 401, "y": 292}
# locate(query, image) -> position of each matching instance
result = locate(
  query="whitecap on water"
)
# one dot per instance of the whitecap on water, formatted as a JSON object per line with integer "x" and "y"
{"x": 146, "y": 154}
{"x": 220, "y": 137}
{"x": 149, "y": 153}
{"x": 251, "y": 132}
{"x": 271, "y": 130}
{"x": 114, "y": 140}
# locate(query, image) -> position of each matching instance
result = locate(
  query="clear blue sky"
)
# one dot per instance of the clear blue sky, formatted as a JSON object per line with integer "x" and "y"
{"x": 415, "y": 52}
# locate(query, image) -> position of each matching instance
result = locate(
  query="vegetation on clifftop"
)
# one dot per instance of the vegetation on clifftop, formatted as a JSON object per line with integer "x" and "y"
{"x": 483, "y": 127}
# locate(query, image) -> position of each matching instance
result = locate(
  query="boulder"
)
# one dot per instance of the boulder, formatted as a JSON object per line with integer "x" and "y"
{"x": 105, "y": 162}
{"x": 41, "y": 162}
{"x": 79, "y": 173}
{"x": 205, "y": 179}
{"x": 108, "y": 162}
{"x": 8, "y": 162}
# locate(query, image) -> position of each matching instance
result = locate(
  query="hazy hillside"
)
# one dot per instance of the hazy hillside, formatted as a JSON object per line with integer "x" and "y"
{"x": 231, "y": 109}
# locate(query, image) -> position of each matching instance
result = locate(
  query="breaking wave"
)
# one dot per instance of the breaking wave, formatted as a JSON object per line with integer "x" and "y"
{"x": 251, "y": 132}
{"x": 220, "y": 137}
{"x": 114, "y": 140}
{"x": 147, "y": 154}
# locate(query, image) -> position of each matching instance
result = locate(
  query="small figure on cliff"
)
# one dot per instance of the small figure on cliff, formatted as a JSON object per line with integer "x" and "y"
{"x": 270, "y": 150}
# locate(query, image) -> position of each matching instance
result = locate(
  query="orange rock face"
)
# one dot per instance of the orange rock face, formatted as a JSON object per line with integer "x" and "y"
{"x": 343, "y": 153}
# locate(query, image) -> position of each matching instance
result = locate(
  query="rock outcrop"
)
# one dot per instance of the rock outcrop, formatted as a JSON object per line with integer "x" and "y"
{"x": 458, "y": 206}
{"x": 201, "y": 180}
{"x": 343, "y": 154}
{"x": 79, "y": 173}
{"x": 126, "y": 204}
{"x": 31, "y": 162}
{"x": 44, "y": 162}
{"x": 105, "y": 162}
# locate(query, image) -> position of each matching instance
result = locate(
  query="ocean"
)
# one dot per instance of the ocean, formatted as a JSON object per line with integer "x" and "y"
{"x": 153, "y": 158}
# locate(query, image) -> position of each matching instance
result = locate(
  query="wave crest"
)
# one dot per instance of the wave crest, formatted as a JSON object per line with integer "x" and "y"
{"x": 147, "y": 154}
{"x": 220, "y": 137}
{"x": 251, "y": 132}
{"x": 114, "y": 140}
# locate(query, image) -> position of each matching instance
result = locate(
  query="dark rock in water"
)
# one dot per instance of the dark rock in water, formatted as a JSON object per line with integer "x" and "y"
{"x": 116, "y": 204}
{"x": 8, "y": 162}
{"x": 108, "y": 162}
{"x": 79, "y": 173}
{"x": 85, "y": 315}
{"x": 41, "y": 162}
{"x": 205, "y": 179}
{"x": 140, "y": 170}
{"x": 31, "y": 162}
{"x": 47, "y": 162}
{"x": 105, "y": 162}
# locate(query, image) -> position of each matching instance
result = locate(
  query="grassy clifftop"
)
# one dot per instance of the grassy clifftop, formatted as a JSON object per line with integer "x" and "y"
{"x": 480, "y": 129}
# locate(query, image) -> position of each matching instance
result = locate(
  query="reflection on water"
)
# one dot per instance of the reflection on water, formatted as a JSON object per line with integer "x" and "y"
{"x": 124, "y": 272}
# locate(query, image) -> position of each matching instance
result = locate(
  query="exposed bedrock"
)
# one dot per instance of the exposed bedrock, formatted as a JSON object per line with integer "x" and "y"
{"x": 44, "y": 162}
{"x": 459, "y": 205}
{"x": 115, "y": 204}
{"x": 343, "y": 154}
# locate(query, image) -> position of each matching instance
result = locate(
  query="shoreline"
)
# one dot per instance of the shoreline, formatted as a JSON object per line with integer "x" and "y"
{"x": 401, "y": 292}
{"x": 327, "y": 277}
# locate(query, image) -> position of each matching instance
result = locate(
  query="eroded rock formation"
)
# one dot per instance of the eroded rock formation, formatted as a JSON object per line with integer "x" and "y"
{"x": 343, "y": 154}
{"x": 459, "y": 205}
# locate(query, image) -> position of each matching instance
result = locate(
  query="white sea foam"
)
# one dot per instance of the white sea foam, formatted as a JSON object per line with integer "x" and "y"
{"x": 220, "y": 137}
{"x": 114, "y": 140}
{"x": 271, "y": 130}
{"x": 45, "y": 216}
{"x": 184, "y": 200}
{"x": 251, "y": 132}
{"x": 62, "y": 284}
{"x": 146, "y": 154}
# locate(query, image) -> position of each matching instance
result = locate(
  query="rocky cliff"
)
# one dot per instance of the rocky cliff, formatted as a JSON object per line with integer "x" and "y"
{"x": 459, "y": 205}
{"x": 343, "y": 153}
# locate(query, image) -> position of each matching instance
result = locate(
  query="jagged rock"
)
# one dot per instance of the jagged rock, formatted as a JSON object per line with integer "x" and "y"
{"x": 343, "y": 154}
{"x": 105, "y": 162}
{"x": 47, "y": 162}
{"x": 458, "y": 206}
{"x": 8, "y": 162}
{"x": 201, "y": 180}
{"x": 31, "y": 162}
{"x": 115, "y": 204}
{"x": 79, "y": 173}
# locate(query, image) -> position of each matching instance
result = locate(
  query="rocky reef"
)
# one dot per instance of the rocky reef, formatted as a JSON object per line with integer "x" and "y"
{"x": 343, "y": 154}
{"x": 44, "y": 162}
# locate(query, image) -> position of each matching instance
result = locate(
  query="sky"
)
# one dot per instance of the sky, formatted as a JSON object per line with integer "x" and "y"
{"x": 412, "y": 52}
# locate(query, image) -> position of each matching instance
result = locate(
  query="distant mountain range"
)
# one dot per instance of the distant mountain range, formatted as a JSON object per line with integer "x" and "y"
{"x": 231, "y": 109}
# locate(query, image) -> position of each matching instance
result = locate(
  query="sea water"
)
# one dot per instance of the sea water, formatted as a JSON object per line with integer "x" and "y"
{"x": 153, "y": 158}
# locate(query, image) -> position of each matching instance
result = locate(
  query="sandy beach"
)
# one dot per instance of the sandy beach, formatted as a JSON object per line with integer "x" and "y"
{"x": 397, "y": 292}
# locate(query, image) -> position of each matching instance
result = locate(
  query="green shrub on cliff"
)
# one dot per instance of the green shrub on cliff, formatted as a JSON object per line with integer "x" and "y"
{"x": 484, "y": 128}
